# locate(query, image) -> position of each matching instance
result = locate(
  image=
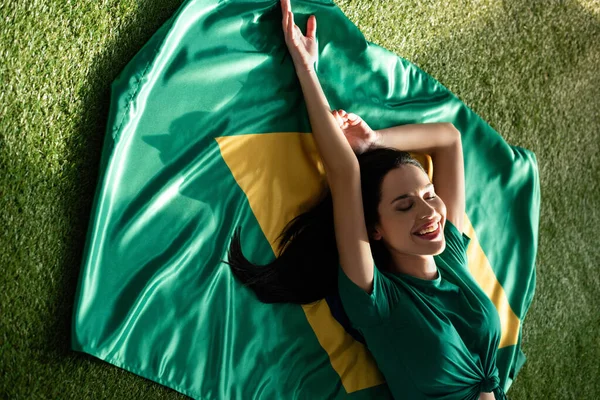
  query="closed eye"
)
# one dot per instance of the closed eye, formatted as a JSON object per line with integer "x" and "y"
{"x": 406, "y": 209}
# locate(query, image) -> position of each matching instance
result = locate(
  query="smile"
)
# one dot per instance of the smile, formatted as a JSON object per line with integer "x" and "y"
{"x": 430, "y": 235}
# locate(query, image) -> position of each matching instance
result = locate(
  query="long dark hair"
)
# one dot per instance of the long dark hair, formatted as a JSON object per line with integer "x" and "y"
{"x": 306, "y": 267}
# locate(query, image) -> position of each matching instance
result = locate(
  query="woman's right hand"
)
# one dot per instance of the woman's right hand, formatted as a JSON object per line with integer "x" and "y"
{"x": 303, "y": 49}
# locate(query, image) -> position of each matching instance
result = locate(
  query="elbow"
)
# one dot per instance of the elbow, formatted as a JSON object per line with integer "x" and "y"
{"x": 451, "y": 128}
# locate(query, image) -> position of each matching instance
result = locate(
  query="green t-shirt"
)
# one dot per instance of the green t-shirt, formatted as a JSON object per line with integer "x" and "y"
{"x": 431, "y": 339}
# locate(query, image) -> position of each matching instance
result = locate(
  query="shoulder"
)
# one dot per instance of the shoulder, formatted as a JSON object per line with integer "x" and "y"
{"x": 365, "y": 309}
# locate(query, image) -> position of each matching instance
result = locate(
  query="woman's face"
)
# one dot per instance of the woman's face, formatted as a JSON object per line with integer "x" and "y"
{"x": 399, "y": 219}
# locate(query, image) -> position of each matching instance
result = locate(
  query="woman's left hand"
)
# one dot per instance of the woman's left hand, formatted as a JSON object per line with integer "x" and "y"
{"x": 303, "y": 49}
{"x": 358, "y": 133}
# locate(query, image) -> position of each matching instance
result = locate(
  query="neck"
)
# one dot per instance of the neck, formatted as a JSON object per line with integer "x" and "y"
{"x": 422, "y": 267}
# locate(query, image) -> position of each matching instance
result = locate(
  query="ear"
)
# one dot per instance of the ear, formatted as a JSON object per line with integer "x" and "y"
{"x": 376, "y": 235}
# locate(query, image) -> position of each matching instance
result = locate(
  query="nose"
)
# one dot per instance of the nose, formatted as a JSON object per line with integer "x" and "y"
{"x": 427, "y": 210}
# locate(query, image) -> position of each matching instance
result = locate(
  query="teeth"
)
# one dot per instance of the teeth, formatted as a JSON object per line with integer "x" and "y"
{"x": 433, "y": 228}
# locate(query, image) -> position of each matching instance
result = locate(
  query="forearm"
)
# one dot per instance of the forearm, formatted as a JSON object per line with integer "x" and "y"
{"x": 418, "y": 138}
{"x": 336, "y": 153}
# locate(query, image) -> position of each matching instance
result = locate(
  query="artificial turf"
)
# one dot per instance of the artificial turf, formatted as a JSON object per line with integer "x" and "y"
{"x": 529, "y": 68}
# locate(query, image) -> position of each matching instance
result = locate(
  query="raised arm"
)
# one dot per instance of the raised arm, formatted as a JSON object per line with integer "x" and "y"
{"x": 339, "y": 160}
{"x": 336, "y": 153}
{"x": 442, "y": 141}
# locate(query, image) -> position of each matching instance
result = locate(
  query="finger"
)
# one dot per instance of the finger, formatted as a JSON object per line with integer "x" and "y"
{"x": 293, "y": 23}
{"x": 338, "y": 118}
{"x": 290, "y": 27}
{"x": 284, "y": 14}
{"x": 285, "y": 10}
{"x": 296, "y": 28}
{"x": 311, "y": 27}
{"x": 285, "y": 6}
{"x": 352, "y": 116}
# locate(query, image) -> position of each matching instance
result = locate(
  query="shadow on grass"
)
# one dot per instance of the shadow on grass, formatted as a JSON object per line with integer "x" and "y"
{"x": 526, "y": 48}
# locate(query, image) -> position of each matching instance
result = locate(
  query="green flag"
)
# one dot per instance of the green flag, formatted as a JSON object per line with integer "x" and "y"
{"x": 208, "y": 131}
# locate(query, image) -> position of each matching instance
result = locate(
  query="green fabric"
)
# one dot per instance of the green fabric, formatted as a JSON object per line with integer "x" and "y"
{"x": 432, "y": 339}
{"x": 153, "y": 295}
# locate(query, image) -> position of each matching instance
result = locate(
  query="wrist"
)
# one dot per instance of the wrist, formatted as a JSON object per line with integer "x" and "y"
{"x": 304, "y": 70}
{"x": 378, "y": 140}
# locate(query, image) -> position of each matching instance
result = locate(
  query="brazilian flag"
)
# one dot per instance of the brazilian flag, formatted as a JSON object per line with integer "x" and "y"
{"x": 208, "y": 130}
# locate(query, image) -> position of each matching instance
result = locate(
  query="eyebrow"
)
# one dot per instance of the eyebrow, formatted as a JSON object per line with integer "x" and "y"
{"x": 408, "y": 195}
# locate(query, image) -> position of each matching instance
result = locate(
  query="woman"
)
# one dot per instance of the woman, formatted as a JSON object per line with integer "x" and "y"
{"x": 431, "y": 329}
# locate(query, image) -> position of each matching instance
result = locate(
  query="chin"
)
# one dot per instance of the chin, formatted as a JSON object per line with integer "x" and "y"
{"x": 442, "y": 247}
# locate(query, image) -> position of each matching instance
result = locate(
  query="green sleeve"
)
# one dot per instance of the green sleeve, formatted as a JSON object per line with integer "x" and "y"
{"x": 366, "y": 310}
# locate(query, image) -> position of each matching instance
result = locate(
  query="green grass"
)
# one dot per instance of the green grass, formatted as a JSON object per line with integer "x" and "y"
{"x": 530, "y": 70}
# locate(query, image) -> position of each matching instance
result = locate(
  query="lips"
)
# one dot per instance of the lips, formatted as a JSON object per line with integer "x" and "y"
{"x": 428, "y": 225}
{"x": 431, "y": 235}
